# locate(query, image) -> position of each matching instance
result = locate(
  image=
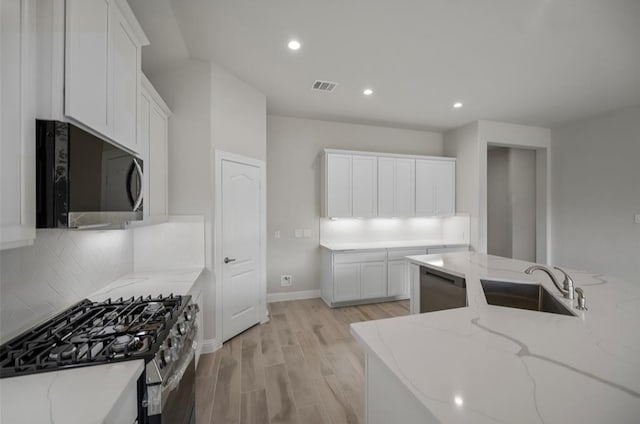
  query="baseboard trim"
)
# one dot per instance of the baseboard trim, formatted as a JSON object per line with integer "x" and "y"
{"x": 210, "y": 345}
{"x": 296, "y": 295}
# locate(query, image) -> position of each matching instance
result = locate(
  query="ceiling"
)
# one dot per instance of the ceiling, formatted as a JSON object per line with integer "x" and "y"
{"x": 534, "y": 62}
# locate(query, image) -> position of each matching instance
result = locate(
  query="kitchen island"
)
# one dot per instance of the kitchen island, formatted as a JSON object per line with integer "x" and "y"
{"x": 488, "y": 364}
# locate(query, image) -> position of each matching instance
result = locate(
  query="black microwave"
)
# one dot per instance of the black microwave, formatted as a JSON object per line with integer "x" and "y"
{"x": 83, "y": 181}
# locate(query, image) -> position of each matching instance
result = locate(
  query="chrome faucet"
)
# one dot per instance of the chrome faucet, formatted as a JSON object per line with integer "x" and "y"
{"x": 567, "y": 287}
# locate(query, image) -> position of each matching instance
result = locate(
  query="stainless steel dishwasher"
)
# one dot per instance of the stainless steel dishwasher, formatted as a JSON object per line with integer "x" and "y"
{"x": 439, "y": 291}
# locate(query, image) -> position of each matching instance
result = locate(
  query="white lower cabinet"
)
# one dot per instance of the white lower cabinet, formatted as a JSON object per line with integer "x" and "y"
{"x": 397, "y": 274}
{"x": 360, "y": 276}
{"x": 346, "y": 282}
{"x": 373, "y": 282}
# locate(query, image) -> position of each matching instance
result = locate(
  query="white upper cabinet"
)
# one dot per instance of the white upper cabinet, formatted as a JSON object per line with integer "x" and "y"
{"x": 87, "y": 76}
{"x": 435, "y": 187}
{"x": 364, "y": 186}
{"x": 396, "y": 187}
{"x": 17, "y": 122}
{"x": 367, "y": 185}
{"x": 338, "y": 173}
{"x": 153, "y": 127}
{"x": 425, "y": 188}
{"x": 350, "y": 185}
{"x": 445, "y": 176}
{"x": 126, "y": 77}
{"x": 103, "y": 68}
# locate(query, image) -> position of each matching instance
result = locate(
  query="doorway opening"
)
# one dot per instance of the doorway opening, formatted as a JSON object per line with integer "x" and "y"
{"x": 513, "y": 194}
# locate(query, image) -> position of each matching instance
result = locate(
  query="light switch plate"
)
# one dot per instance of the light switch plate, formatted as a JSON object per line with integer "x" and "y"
{"x": 276, "y": 235}
{"x": 638, "y": 218}
{"x": 298, "y": 233}
{"x": 307, "y": 233}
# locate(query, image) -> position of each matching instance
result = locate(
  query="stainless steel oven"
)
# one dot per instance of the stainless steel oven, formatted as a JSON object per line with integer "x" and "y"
{"x": 170, "y": 394}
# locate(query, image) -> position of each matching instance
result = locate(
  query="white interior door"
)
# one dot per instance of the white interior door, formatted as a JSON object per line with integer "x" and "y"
{"x": 241, "y": 187}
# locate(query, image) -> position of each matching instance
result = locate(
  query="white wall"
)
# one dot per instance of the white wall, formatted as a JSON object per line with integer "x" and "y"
{"x": 61, "y": 268}
{"x": 462, "y": 143}
{"x": 522, "y": 193}
{"x": 499, "y": 240}
{"x": 212, "y": 109}
{"x": 596, "y": 192}
{"x": 238, "y": 116}
{"x": 293, "y": 195}
{"x": 469, "y": 145}
{"x": 186, "y": 88}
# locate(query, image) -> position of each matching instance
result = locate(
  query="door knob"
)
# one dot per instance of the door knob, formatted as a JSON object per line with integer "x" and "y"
{"x": 227, "y": 260}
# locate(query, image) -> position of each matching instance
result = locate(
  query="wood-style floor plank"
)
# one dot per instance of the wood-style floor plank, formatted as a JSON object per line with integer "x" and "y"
{"x": 312, "y": 414}
{"x": 282, "y": 409}
{"x": 300, "y": 376}
{"x": 301, "y": 367}
{"x": 226, "y": 400}
{"x": 253, "y": 408}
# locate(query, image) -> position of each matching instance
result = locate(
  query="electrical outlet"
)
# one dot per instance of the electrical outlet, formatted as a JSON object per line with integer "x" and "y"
{"x": 298, "y": 233}
{"x": 286, "y": 280}
{"x": 307, "y": 233}
{"x": 638, "y": 218}
{"x": 276, "y": 235}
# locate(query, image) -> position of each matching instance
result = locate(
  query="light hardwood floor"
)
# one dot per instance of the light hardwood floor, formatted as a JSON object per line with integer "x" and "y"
{"x": 301, "y": 367}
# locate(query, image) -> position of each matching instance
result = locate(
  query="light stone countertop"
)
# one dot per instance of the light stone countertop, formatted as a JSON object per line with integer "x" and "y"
{"x": 88, "y": 394}
{"x": 488, "y": 364}
{"x": 154, "y": 283}
{"x": 392, "y": 244}
{"x": 82, "y": 395}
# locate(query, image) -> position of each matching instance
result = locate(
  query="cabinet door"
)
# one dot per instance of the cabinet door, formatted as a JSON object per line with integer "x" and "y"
{"x": 125, "y": 83}
{"x": 445, "y": 177}
{"x": 157, "y": 167}
{"x": 404, "y": 187}
{"x": 364, "y": 186}
{"x": 144, "y": 112}
{"x": 397, "y": 278}
{"x": 338, "y": 188}
{"x": 346, "y": 282}
{"x": 386, "y": 187}
{"x": 414, "y": 288}
{"x": 373, "y": 280}
{"x": 87, "y": 82}
{"x": 425, "y": 188}
{"x": 17, "y": 122}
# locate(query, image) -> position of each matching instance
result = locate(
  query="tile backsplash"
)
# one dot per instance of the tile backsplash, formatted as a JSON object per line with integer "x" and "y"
{"x": 59, "y": 269}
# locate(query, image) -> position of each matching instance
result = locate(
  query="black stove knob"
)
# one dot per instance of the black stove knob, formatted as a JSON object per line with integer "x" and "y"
{"x": 182, "y": 329}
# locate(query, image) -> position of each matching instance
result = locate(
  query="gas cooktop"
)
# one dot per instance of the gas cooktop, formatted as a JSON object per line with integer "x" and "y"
{"x": 94, "y": 333}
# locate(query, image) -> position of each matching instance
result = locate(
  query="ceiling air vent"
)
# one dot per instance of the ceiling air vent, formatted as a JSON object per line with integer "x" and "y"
{"x": 327, "y": 86}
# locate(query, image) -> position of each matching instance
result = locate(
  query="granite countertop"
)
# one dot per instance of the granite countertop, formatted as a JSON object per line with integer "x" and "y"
{"x": 88, "y": 394}
{"x": 393, "y": 244}
{"x": 487, "y": 364}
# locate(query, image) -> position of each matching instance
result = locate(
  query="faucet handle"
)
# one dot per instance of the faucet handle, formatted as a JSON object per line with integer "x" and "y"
{"x": 568, "y": 283}
{"x": 582, "y": 300}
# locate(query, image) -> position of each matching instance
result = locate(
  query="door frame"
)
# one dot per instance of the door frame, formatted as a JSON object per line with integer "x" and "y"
{"x": 218, "y": 157}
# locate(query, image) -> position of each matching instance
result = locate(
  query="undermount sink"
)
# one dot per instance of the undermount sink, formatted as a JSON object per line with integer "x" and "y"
{"x": 533, "y": 297}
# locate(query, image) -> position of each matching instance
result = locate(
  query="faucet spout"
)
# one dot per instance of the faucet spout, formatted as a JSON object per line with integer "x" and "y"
{"x": 567, "y": 288}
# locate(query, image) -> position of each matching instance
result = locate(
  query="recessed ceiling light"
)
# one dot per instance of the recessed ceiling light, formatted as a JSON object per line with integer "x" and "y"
{"x": 457, "y": 105}
{"x": 294, "y": 45}
{"x": 367, "y": 92}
